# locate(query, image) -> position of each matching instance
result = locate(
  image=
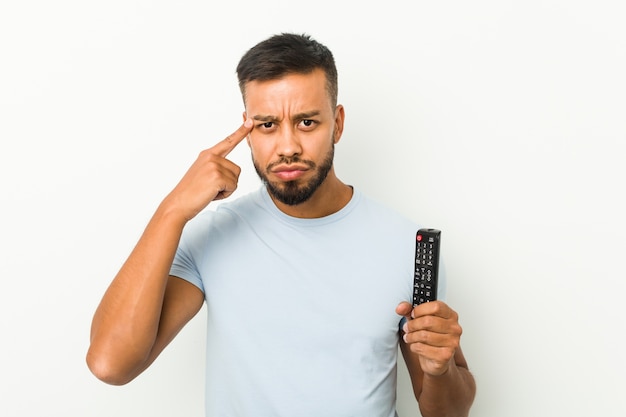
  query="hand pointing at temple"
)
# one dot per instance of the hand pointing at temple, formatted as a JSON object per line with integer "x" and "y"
{"x": 211, "y": 177}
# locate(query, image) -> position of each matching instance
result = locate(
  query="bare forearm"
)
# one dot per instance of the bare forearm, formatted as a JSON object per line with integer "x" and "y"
{"x": 143, "y": 310}
{"x": 126, "y": 323}
{"x": 447, "y": 395}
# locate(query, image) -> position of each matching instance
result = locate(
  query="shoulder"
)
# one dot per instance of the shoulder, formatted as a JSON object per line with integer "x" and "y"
{"x": 228, "y": 209}
{"x": 242, "y": 204}
{"x": 222, "y": 216}
{"x": 383, "y": 213}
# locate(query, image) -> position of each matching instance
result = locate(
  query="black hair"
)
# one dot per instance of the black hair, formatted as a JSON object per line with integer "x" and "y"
{"x": 287, "y": 53}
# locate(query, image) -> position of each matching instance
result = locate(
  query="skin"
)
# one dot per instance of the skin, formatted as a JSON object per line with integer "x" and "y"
{"x": 430, "y": 345}
{"x": 293, "y": 118}
{"x": 286, "y": 120}
{"x": 144, "y": 308}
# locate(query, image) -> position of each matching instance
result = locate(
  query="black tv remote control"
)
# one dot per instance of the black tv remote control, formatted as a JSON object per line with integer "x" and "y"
{"x": 427, "y": 244}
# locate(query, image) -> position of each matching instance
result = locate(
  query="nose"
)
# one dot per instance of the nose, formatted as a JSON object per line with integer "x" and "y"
{"x": 288, "y": 143}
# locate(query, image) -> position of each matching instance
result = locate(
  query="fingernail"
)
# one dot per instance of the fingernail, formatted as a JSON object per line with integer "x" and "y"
{"x": 405, "y": 328}
{"x": 404, "y": 338}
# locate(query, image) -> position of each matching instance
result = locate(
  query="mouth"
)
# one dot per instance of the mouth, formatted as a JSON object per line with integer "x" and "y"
{"x": 289, "y": 172}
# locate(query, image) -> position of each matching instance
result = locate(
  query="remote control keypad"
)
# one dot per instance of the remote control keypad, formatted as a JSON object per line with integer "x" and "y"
{"x": 425, "y": 269}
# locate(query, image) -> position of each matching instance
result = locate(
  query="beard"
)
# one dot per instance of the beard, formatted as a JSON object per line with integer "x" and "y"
{"x": 293, "y": 193}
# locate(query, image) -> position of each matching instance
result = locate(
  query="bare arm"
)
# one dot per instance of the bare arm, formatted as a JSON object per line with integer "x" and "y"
{"x": 144, "y": 308}
{"x": 442, "y": 383}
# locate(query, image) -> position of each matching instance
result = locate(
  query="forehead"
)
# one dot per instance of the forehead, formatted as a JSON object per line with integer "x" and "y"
{"x": 292, "y": 92}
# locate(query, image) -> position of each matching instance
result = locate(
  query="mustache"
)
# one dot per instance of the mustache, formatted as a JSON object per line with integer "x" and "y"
{"x": 291, "y": 160}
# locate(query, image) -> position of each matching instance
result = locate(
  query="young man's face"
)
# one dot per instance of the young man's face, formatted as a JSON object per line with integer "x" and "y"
{"x": 295, "y": 130}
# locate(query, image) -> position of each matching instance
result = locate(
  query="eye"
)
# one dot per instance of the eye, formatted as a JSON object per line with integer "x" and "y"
{"x": 307, "y": 124}
{"x": 266, "y": 127}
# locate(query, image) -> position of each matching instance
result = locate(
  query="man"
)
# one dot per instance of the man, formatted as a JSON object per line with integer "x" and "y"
{"x": 306, "y": 280}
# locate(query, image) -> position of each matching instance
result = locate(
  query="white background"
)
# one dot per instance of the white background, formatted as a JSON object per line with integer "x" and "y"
{"x": 500, "y": 122}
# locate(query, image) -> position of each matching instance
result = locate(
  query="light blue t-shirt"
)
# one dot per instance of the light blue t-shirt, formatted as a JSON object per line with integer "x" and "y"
{"x": 300, "y": 312}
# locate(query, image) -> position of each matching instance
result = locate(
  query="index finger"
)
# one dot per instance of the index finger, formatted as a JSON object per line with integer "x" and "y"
{"x": 225, "y": 146}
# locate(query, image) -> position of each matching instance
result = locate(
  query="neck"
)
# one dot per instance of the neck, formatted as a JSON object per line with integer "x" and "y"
{"x": 331, "y": 196}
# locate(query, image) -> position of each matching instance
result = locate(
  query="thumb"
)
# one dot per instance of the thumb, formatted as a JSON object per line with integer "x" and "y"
{"x": 404, "y": 309}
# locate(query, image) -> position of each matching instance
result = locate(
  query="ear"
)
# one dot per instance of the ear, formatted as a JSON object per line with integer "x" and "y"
{"x": 339, "y": 119}
{"x": 245, "y": 116}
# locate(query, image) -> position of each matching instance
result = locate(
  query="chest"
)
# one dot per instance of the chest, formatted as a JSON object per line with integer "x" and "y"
{"x": 332, "y": 286}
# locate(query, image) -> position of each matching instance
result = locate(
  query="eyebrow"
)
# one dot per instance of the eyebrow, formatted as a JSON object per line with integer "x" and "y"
{"x": 274, "y": 119}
